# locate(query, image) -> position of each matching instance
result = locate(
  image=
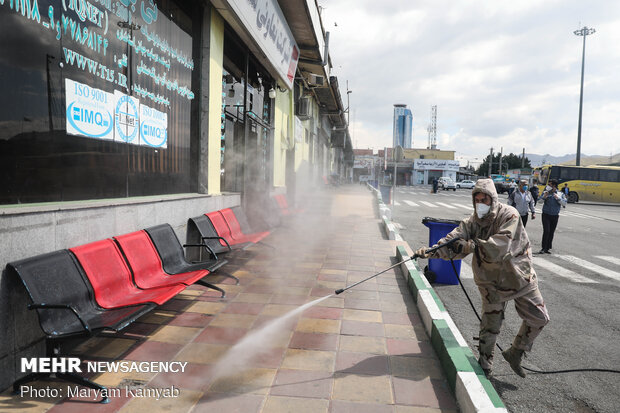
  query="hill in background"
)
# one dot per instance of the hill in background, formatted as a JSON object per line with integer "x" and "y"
{"x": 569, "y": 159}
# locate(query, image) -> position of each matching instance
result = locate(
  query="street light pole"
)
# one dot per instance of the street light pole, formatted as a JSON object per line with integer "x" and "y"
{"x": 585, "y": 31}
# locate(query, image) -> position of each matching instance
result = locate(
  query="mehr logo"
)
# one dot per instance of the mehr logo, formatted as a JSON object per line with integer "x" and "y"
{"x": 51, "y": 365}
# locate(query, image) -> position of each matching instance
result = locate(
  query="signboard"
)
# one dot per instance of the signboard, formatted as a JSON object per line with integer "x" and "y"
{"x": 266, "y": 24}
{"x": 436, "y": 164}
{"x": 153, "y": 127}
{"x": 360, "y": 162}
{"x": 89, "y": 111}
{"x": 126, "y": 118}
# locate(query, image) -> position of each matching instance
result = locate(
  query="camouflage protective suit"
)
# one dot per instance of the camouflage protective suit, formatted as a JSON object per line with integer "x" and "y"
{"x": 502, "y": 267}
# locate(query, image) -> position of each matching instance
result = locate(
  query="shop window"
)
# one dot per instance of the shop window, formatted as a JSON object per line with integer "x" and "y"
{"x": 95, "y": 107}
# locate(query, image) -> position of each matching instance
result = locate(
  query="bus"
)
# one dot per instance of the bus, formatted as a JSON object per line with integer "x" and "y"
{"x": 585, "y": 183}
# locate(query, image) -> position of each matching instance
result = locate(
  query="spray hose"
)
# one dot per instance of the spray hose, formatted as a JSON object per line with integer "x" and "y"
{"x": 413, "y": 257}
{"x": 456, "y": 274}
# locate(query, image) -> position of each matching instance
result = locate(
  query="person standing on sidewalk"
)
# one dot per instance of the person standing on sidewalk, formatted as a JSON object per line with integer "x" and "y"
{"x": 523, "y": 201}
{"x": 553, "y": 200}
{"x": 503, "y": 271}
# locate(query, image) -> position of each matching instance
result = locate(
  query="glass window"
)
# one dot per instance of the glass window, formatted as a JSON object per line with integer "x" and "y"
{"x": 588, "y": 174}
{"x": 609, "y": 175}
{"x": 568, "y": 174}
{"x": 94, "y": 105}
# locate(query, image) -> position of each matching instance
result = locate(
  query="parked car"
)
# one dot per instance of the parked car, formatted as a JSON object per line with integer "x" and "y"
{"x": 446, "y": 183}
{"x": 465, "y": 184}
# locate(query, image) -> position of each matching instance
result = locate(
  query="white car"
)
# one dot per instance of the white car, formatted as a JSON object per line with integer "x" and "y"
{"x": 447, "y": 183}
{"x": 465, "y": 184}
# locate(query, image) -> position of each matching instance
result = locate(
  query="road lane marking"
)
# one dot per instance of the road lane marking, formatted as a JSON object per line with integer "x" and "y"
{"x": 561, "y": 271}
{"x": 428, "y": 204}
{"x": 591, "y": 266}
{"x": 411, "y": 203}
{"x": 446, "y": 205}
{"x": 613, "y": 260}
{"x": 466, "y": 271}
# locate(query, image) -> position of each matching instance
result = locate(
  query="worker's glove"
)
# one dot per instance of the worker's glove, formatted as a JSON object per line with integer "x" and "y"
{"x": 421, "y": 253}
{"x": 463, "y": 246}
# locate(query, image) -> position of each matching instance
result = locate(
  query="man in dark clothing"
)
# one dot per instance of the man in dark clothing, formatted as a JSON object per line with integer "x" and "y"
{"x": 554, "y": 200}
{"x": 534, "y": 192}
{"x": 435, "y": 185}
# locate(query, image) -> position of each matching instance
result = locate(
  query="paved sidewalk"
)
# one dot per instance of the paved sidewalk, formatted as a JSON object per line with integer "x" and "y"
{"x": 365, "y": 350}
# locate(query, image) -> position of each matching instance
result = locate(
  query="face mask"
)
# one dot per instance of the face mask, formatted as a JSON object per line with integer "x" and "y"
{"x": 482, "y": 209}
{"x": 548, "y": 188}
{"x": 525, "y": 187}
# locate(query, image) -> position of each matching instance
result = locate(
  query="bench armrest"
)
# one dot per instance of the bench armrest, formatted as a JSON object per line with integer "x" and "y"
{"x": 61, "y": 306}
{"x": 220, "y": 238}
{"x": 207, "y": 247}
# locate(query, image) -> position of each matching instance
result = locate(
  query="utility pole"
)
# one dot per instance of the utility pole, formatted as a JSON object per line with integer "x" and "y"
{"x": 490, "y": 162}
{"x": 523, "y": 159}
{"x": 585, "y": 31}
{"x": 501, "y": 153}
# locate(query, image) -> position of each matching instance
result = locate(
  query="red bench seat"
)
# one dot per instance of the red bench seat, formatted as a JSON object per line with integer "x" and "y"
{"x": 111, "y": 278}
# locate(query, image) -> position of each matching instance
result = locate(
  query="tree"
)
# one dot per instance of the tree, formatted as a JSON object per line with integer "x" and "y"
{"x": 510, "y": 161}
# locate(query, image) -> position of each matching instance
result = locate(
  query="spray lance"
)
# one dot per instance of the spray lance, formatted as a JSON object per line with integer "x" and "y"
{"x": 413, "y": 257}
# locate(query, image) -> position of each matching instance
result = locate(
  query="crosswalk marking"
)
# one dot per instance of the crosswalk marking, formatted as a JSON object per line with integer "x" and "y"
{"x": 463, "y": 206}
{"x": 591, "y": 266}
{"x": 428, "y": 204}
{"x": 396, "y": 203}
{"x": 466, "y": 272}
{"x": 561, "y": 271}
{"x": 411, "y": 203}
{"x": 446, "y": 205}
{"x": 613, "y": 260}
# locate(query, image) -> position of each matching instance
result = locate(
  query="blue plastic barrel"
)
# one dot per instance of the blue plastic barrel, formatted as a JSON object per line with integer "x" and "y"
{"x": 439, "y": 228}
{"x": 386, "y": 193}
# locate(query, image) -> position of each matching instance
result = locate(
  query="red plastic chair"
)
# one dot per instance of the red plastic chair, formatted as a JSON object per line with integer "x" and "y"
{"x": 111, "y": 278}
{"x": 144, "y": 260}
{"x": 236, "y": 231}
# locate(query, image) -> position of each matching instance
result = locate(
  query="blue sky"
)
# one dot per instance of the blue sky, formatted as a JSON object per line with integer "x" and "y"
{"x": 502, "y": 74}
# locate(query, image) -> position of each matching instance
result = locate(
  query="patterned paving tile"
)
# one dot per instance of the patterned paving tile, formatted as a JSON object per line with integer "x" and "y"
{"x": 280, "y": 404}
{"x": 358, "y": 388}
{"x": 229, "y": 403}
{"x": 374, "y": 345}
{"x": 174, "y": 334}
{"x": 425, "y": 393}
{"x": 362, "y": 363}
{"x": 309, "y": 360}
{"x": 311, "y": 341}
{"x": 303, "y": 383}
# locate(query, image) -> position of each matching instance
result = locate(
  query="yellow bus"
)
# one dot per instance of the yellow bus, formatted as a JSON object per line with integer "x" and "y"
{"x": 585, "y": 183}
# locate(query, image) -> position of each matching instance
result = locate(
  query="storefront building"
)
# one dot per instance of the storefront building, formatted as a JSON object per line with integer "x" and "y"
{"x": 117, "y": 116}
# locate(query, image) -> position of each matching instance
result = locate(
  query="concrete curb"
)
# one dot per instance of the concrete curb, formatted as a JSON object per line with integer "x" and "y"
{"x": 472, "y": 390}
{"x": 386, "y": 216}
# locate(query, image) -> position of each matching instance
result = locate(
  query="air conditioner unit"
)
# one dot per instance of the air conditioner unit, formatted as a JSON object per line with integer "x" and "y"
{"x": 315, "y": 80}
{"x": 303, "y": 108}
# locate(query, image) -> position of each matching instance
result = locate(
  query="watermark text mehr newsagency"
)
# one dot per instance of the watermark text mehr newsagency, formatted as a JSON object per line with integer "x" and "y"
{"x": 74, "y": 365}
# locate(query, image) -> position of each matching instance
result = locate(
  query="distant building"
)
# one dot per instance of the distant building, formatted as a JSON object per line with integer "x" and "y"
{"x": 403, "y": 129}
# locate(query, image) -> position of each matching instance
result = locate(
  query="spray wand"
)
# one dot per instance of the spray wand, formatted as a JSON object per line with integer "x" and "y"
{"x": 413, "y": 257}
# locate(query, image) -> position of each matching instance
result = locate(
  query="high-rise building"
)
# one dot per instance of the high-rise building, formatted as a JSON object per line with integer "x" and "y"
{"x": 403, "y": 120}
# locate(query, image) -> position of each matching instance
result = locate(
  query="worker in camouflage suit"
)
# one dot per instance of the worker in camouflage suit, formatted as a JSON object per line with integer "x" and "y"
{"x": 502, "y": 267}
